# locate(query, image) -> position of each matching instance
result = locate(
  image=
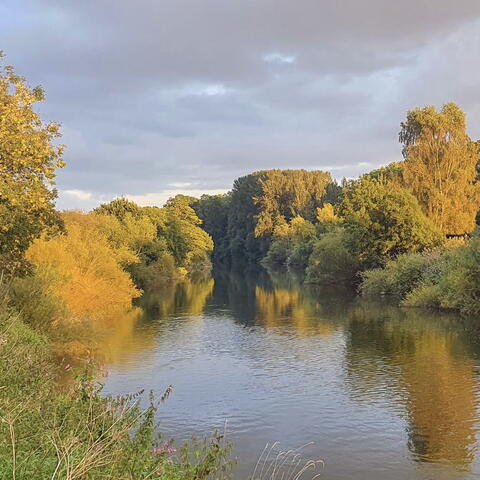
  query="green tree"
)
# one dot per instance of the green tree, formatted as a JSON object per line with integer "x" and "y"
{"x": 119, "y": 207}
{"x": 29, "y": 158}
{"x": 331, "y": 261}
{"x": 440, "y": 166}
{"x": 383, "y": 220}
{"x": 214, "y": 211}
{"x": 264, "y": 200}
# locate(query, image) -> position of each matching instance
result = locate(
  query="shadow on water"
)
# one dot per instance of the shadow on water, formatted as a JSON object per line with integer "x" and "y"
{"x": 378, "y": 373}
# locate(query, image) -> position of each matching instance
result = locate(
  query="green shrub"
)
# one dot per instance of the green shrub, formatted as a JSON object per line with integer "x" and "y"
{"x": 331, "y": 261}
{"x": 461, "y": 283}
{"x": 448, "y": 278}
{"x": 33, "y": 296}
{"x": 425, "y": 296}
{"x": 158, "y": 272}
{"x": 399, "y": 277}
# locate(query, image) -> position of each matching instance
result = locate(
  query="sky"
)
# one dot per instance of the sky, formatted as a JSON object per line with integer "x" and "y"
{"x": 159, "y": 97}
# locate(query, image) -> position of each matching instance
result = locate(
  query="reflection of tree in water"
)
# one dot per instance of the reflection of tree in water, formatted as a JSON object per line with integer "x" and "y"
{"x": 125, "y": 333}
{"x": 184, "y": 298}
{"x": 256, "y": 297}
{"x": 425, "y": 363}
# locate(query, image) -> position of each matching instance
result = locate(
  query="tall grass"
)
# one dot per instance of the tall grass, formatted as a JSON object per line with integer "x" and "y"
{"x": 274, "y": 464}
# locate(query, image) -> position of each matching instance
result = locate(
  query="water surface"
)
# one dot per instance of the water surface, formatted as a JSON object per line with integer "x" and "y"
{"x": 383, "y": 392}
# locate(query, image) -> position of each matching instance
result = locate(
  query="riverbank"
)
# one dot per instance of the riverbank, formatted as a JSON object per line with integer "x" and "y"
{"x": 75, "y": 432}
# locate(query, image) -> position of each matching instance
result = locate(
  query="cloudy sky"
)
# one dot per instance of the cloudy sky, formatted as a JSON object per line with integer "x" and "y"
{"x": 158, "y": 97}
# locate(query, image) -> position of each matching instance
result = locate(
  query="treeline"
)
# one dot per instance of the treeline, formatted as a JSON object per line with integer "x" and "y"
{"x": 426, "y": 206}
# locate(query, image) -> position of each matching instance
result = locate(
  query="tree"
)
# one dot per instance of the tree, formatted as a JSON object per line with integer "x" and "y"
{"x": 214, "y": 211}
{"x": 383, "y": 220}
{"x": 440, "y": 167}
{"x": 287, "y": 194}
{"x": 264, "y": 200}
{"x": 119, "y": 207}
{"x": 28, "y": 161}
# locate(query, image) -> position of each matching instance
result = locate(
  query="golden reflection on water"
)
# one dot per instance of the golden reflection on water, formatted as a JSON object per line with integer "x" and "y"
{"x": 280, "y": 306}
{"x": 424, "y": 363}
{"x": 419, "y": 363}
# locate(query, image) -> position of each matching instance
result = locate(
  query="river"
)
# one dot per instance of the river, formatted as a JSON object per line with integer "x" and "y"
{"x": 378, "y": 392}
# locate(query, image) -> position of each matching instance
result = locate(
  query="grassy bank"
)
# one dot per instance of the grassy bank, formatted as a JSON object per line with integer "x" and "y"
{"x": 48, "y": 432}
{"x": 447, "y": 278}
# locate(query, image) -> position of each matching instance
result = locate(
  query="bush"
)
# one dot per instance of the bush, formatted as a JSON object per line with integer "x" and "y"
{"x": 425, "y": 295}
{"x": 461, "y": 283}
{"x": 34, "y": 295}
{"x": 448, "y": 279}
{"x": 399, "y": 276}
{"x": 156, "y": 273}
{"x": 331, "y": 261}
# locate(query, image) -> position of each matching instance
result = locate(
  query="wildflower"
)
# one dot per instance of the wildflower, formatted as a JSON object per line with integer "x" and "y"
{"x": 166, "y": 448}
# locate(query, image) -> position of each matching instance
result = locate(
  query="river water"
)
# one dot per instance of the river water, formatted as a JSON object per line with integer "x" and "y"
{"x": 380, "y": 392}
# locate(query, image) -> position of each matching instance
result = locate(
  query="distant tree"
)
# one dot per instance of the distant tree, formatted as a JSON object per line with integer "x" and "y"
{"x": 392, "y": 173}
{"x": 264, "y": 200}
{"x": 214, "y": 211}
{"x": 287, "y": 194}
{"x": 28, "y": 161}
{"x": 331, "y": 260}
{"x": 440, "y": 166}
{"x": 383, "y": 220}
{"x": 181, "y": 206}
{"x": 189, "y": 244}
{"x": 119, "y": 207}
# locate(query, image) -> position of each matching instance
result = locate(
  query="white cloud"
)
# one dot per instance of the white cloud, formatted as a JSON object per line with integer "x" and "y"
{"x": 77, "y": 194}
{"x": 279, "y": 58}
{"x": 159, "y": 198}
{"x": 215, "y": 90}
{"x": 180, "y": 184}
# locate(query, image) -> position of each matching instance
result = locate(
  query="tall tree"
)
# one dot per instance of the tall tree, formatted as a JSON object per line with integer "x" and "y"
{"x": 264, "y": 200}
{"x": 28, "y": 160}
{"x": 440, "y": 166}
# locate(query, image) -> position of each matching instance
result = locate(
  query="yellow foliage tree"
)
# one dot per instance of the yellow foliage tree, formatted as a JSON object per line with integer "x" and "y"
{"x": 28, "y": 160}
{"x": 440, "y": 167}
{"x": 94, "y": 286}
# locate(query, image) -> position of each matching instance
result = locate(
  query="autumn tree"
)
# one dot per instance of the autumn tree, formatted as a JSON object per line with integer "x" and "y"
{"x": 29, "y": 158}
{"x": 440, "y": 166}
{"x": 264, "y": 200}
{"x": 383, "y": 220}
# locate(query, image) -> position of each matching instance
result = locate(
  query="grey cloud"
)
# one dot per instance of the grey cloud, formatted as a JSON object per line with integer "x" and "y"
{"x": 159, "y": 92}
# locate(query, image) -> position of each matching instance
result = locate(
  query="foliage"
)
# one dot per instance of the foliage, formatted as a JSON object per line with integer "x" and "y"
{"x": 331, "y": 261}
{"x": 440, "y": 167}
{"x": 400, "y": 275}
{"x": 266, "y": 199}
{"x": 292, "y": 244}
{"x": 46, "y": 432}
{"x": 384, "y": 220}
{"x": 447, "y": 278}
{"x": 461, "y": 285}
{"x": 214, "y": 210}
{"x": 28, "y": 160}
{"x": 119, "y": 207}
{"x": 158, "y": 235}
{"x": 83, "y": 270}
{"x": 287, "y": 194}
